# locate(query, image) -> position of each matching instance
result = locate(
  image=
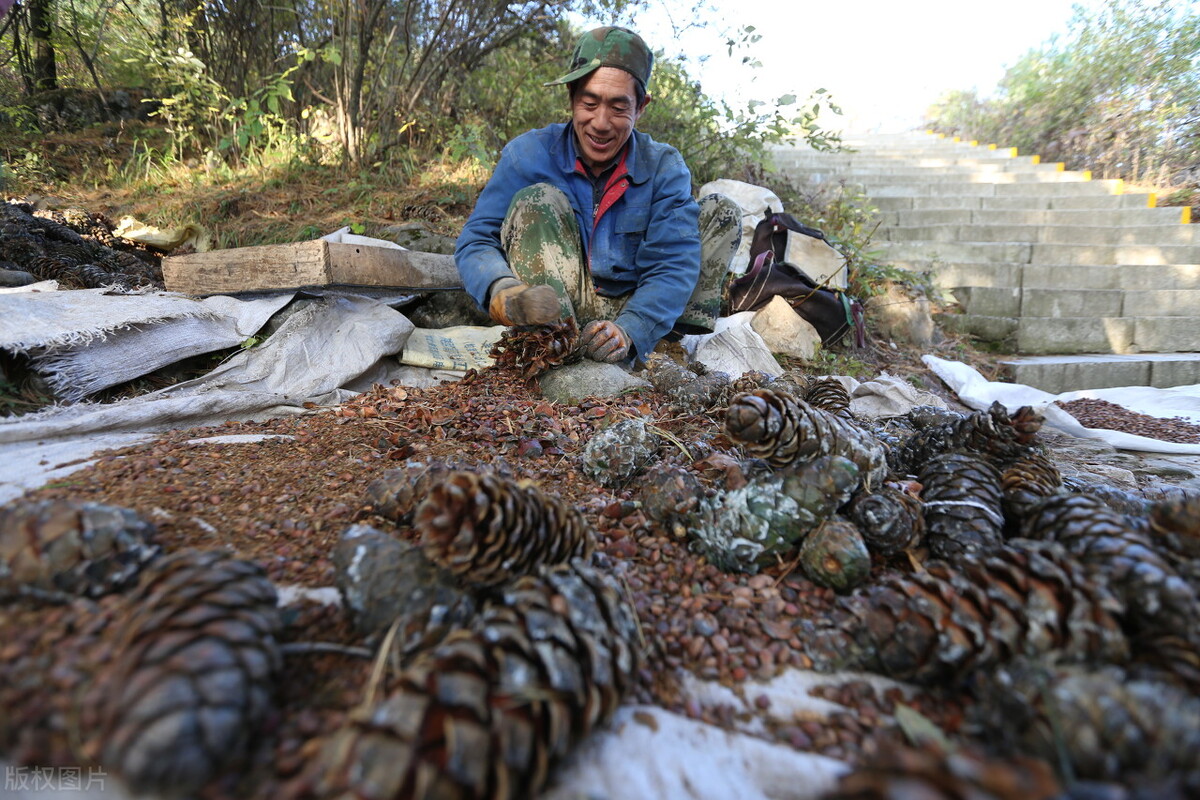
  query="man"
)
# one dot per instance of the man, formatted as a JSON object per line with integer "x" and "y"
{"x": 593, "y": 219}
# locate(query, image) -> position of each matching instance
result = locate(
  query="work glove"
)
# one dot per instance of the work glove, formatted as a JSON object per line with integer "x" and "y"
{"x": 604, "y": 341}
{"x": 516, "y": 303}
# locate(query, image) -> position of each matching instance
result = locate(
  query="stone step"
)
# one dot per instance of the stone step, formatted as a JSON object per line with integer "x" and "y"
{"x": 1065, "y": 373}
{"x": 1005, "y": 301}
{"x": 884, "y": 163}
{"x": 960, "y": 252}
{"x": 1055, "y": 192}
{"x": 1108, "y": 202}
{"x": 1122, "y": 254}
{"x": 1115, "y": 218}
{"x": 1159, "y": 277}
{"x": 1045, "y": 234}
{"x": 1033, "y": 253}
{"x": 1162, "y": 277}
{"x": 1091, "y": 334}
{"x": 884, "y": 176}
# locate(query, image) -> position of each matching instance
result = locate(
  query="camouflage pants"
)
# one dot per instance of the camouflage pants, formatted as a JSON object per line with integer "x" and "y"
{"x": 542, "y": 242}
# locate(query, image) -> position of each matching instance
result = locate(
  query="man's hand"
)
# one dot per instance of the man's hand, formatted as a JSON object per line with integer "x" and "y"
{"x": 516, "y": 303}
{"x": 604, "y": 341}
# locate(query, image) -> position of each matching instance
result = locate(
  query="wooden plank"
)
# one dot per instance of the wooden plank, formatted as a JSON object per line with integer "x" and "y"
{"x": 298, "y": 264}
{"x": 384, "y": 266}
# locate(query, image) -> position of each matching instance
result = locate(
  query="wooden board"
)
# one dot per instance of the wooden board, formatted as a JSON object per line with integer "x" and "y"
{"x": 316, "y": 263}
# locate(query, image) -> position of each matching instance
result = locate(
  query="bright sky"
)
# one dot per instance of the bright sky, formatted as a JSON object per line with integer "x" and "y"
{"x": 884, "y": 61}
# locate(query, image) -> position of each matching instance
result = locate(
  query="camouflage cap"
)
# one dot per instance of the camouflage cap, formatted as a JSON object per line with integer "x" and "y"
{"x": 609, "y": 47}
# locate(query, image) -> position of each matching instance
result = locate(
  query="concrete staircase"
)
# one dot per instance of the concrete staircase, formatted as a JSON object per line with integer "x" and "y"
{"x": 1091, "y": 284}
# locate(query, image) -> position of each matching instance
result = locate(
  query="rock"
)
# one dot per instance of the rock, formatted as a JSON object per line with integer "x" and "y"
{"x": 902, "y": 315}
{"x": 415, "y": 236}
{"x": 385, "y": 581}
{"x": 15, "y": 277}
{"x": 446, "y": 309}
{"x": 734, "y": 349}
{"x": 784, "y": 331}
{"x": 574, "y": 382}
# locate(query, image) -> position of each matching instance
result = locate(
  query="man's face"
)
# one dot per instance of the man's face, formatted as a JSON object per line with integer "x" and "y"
{"x": 603, "y": 112}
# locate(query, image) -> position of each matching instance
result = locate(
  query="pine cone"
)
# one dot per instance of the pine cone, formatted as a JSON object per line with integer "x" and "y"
{"x": 532, "y": 350}
{"x": 829, "y": 395}
{"x": 746, "y": 529}
{"x": 992, "y": 434}
{"x": 1028, "y": 598}
{"x": 487, "y": 712}
{"x": 192, "y": 676}
{"x": 485, "y": 529}
{"x": 834, "y": 555}
{"x": 398, "y": 492}
{"x": 890, "y": 520}
{"x": 1175, "y": 523}
{"x": 1167, "y": 657}
{"x": 1113, "y": 546}
{"x": 961, "y": 496}
{"x": 689, "y": 391}
{"x": 78, "y": 548}
{"x": 1119, "y": 500}
{"x": 618, "y": 452}
{"x": 893, "y": 772}
{"x": 1103, "y": 725}
{"x": 671, "y": 496}
{"x": 1027, "y": 482}
{"x": 777, "y": 427}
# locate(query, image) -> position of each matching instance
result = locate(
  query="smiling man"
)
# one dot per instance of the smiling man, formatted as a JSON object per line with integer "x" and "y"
{"x": 595, "y": 220}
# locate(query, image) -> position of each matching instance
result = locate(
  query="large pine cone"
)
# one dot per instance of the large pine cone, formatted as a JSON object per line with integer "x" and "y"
{"x": 751, "y": 527}
{"x": 485, "y": 529}
{"x": 1027, "y": 482}
{"x": 890, "y": 519}
{"x": 1103, "y": 725}
{"x": 191, "y": 677}
{"x": 829, "y": 395}
{"x": 993, "y": 434}
{"x": 1175, "y": 522}
{"x": 961, "y": 496}
{"x": 1028, "y": 598}
{"x": 782, "y": 430}
{"x": 1116, "y": 547}
{"x": 690, "y": 392}
{"x": 398, "y": 492}
{"x": 487, "y": 712}
{"x": 618, "y": 452}
{"x": 894, "y": 772}
{"x": 78, "y": 548}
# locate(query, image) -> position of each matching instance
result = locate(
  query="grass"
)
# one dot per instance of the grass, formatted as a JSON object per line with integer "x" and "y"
{"x": 128, "y": 170}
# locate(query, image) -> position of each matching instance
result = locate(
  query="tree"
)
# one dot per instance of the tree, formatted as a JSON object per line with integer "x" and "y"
{"x": 41, "y": 30}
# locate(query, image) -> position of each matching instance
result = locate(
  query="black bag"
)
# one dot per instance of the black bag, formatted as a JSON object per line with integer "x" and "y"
{"x": 831, "y": 311}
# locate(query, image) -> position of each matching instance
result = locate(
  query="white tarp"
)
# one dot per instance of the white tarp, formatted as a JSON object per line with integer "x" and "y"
{"x": 315, "y": 353}
{"x": 85, "y": 340}
{"x": 979, "y": 393}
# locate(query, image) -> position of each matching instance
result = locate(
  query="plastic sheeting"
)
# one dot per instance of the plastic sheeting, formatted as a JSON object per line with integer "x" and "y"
{"x": 85, "y": 340}
{"x": 979, "y": 393}
{"x": 314, "y": 354}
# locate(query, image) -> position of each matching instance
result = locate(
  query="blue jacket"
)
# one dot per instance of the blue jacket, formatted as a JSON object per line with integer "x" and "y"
{"x": 647, "y": 243}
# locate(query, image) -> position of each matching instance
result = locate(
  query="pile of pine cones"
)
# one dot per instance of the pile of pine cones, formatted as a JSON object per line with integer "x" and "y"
{"x": 75, "y": 248}
{"x": 994, "y": 572}
{"x": 510, "y": 644}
